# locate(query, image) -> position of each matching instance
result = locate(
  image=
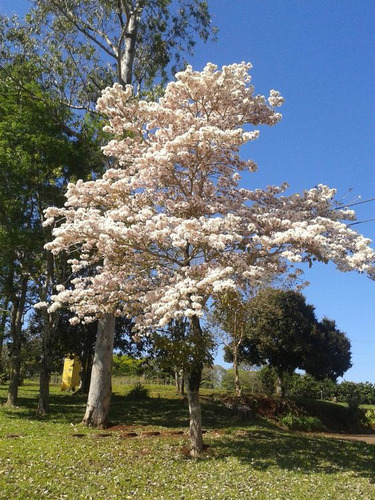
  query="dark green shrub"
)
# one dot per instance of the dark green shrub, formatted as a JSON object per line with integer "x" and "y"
{"x": 138, "y": 392}
{"x": 303, "y": 423}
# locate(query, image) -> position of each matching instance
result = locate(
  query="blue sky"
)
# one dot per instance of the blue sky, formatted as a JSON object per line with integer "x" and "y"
{"x": 321, "y": 56}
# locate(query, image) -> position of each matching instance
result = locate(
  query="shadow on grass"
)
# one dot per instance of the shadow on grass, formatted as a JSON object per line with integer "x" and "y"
{"x": 63, "y": 407}
{"x": 153, "y": 411}
{"x": 302, "y": 453}
{"x": 254, "y": 441}
{"x": 167, "y": 412}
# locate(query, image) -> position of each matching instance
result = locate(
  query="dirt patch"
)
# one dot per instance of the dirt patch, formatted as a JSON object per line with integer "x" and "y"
{"x": 129, "y": 431}
{"x": 366, "y": 438}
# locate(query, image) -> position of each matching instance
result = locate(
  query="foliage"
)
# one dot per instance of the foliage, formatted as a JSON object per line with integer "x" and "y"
{"x": 302, "y": 423}
{"x": 283, "y": 332}
{"x": 38, "y": 155}
{"x": 213, "y": 377}
{"x": 250, "y": 380}
{"x": 125, "y": 366}
{"x": 138, "y": 393}
{"x": 176, "y": 347}
{"x": 370, "y": 417}
{"x": 330, "y": 355}
{"x": 279, "y": 329}
{"x": 306, "y": 386}
{"x": 87, "y": 45}
{"x": 229, "y": 315}
{"x": 362, "y": 393}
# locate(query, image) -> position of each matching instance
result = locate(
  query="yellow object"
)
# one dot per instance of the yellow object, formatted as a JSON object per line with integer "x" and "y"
{"x": 71, "y": 378}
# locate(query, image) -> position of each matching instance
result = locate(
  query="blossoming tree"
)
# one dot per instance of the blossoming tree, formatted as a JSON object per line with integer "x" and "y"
{"x": 169, "y": 226}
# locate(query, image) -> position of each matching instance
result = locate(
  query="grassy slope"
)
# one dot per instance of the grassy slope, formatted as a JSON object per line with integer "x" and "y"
{"x": 244, "y": 459}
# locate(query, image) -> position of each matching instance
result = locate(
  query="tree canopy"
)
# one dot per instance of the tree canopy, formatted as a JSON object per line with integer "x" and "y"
{"x": 283, "y": 333}
{"x": 84, "y": 46}
{"x": 171, "y": 222}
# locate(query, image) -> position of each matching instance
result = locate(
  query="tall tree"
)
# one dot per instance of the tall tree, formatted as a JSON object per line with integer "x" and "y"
{"x": 37, "y": 156}
{"x": 170, "y": 227}
{"x": 86, "y": 45}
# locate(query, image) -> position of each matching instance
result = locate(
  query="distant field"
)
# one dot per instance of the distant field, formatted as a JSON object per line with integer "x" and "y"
{"x": 56, "y": 457}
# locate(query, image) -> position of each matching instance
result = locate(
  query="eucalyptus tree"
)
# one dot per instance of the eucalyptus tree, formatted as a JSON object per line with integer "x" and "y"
{"x": 85, "y": 45}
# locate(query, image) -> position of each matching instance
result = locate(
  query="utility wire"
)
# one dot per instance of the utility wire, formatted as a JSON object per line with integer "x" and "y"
{"x": 361, "y": 221}
{"x": 360, "y": 202}
{"x": 354, "y": 204}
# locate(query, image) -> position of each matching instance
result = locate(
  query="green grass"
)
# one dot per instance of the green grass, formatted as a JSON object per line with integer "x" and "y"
{"x": 244, "y": 459}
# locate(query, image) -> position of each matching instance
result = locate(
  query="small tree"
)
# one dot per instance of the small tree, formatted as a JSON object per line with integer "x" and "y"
{"x": 168, "y": 228}
{"x": 230, "y": 314}
{"x": 175, "y": 352}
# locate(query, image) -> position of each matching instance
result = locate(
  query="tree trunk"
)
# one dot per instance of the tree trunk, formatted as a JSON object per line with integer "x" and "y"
{"x": 180, "y": 382}
{"x": 87, "y": 360}
{"x": 177, "y": 381}
{"x": 280, "y": 386}
{"x": 4, "y": 317}
{"x": 16, "y": 337}
{"x": 237, "y": 381}
{"x": 49, "y": 330}
{"x": 193, "y": 381}
{"x": 126, "y": 59}
{"x": 99, "y": 398}
{"x": 44, "y": 381}
{"x": 50, "y": 322}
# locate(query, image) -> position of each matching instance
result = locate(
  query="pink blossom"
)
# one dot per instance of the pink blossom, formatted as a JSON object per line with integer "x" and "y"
{"x": 168, "y": 226}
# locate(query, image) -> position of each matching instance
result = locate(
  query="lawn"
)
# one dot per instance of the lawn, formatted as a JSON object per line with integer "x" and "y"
{"x": 56, "y": 457}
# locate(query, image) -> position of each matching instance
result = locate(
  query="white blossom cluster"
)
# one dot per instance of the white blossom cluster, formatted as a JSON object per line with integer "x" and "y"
{"x": 170, "y": 225}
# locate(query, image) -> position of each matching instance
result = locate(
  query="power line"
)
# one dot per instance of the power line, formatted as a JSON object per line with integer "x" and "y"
{"x": 361, "y": 222}
{"x": 355, "y": 203}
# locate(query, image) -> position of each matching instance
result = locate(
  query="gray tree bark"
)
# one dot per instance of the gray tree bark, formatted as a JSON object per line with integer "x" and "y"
{"x": 126, "y": 58}
{"x": 237, "y": 381}
{"x": 50, "y": 321}
{"x": 18, "y": 308}
{"x": 4, "y": 317}
{"x": 99, "y": 398}
{"x": 193, "y": 379}
{"x": 280, "y": 386}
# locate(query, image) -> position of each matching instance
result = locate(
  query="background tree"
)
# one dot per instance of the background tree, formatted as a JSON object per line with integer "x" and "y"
{"x": 284, "y": 334}
{"x": 229, "y": 314}
{"x": 86, "y": 45}
{"x": 330, "y": 356}
{"x": 175, "y": 351}
{"x": 35, "y": 154}
{"x": 309, "y": 387}
{"x": 169, "y": 227}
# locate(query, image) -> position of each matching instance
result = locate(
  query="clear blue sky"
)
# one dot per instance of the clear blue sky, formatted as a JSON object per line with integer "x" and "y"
{"x": 321, "y": 56}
